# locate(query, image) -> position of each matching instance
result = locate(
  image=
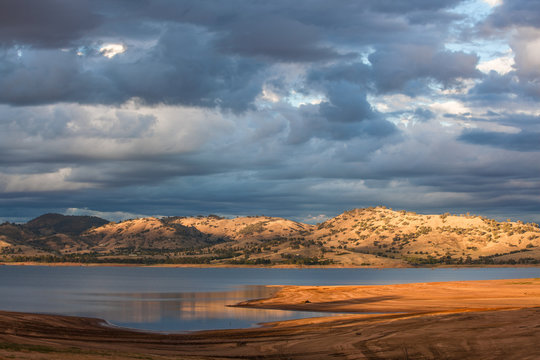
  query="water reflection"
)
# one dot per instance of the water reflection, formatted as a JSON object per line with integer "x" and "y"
{"x": 186, "y": 310}
{"x": 178, "y": 299}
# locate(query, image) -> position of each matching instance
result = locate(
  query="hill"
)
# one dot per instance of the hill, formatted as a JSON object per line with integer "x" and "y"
{"x": 147, "y": 235}
{"x": 361, "y": 237}
{"x": 421, "y": 239}
{"x": 49, "y": 224}
{"x": 47, "y": 234}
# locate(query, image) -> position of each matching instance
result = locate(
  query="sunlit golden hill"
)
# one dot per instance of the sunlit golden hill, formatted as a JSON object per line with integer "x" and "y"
{"x": 417, "y": 238}
{"x": 360, "y": 237}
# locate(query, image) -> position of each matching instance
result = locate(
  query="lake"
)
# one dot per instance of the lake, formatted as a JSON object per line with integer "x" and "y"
{"x": 182, "y": 299}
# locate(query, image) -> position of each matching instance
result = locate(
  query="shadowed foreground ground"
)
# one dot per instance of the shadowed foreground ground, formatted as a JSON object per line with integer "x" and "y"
{"x": 455, "y": 320}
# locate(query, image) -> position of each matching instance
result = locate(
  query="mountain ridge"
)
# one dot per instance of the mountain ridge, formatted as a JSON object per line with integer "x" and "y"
{"x": 376, "y": 236}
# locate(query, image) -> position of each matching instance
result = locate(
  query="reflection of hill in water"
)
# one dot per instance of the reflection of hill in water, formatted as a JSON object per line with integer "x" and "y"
{"x": 155, "y": 307}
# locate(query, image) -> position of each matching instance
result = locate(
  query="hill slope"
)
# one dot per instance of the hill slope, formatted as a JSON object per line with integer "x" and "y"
{"x": 417, "y": 238}
{"x": 56, "y": 223}
{"x": 360, "y": 237}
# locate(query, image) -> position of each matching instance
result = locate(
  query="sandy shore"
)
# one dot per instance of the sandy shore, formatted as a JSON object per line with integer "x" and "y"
{"x": 497, "y": 319}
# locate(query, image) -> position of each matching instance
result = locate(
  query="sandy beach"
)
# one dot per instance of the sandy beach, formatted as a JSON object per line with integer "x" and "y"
{"x": 496, "y": 319}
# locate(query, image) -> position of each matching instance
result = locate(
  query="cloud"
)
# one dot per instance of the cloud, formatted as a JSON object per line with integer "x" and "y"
{"x": 502, "y": 65}
{"x": 181, "y": 68}
{"x": 283, "y": 108}
{"x": 518, "y": 22}
{"x": 399, "y": 67}
{"x": 40, "y": 76}
{"x": 515, "y": 13}
{"x": 54, "y": 181}
{"x": 110, "y": 50}
{"x": 204, "y": 54}
{"x": 347, "y": 103}
{"x": 108, "y": 215}
{"x": 494, "y": 2}
{"x": 46, "y": 23}
{"x": 522, "y": 141}
{"x": 527, "y": 60}
{"x": 495, "y": 88}
{"x": 276, "y": 37}
{"x": 106, "y": 145}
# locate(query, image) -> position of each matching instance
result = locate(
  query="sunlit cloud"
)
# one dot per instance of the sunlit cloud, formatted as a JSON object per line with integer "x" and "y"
{"x": 493, "y": 3}
{"x": 108, "y": 215}
{"x": 111, "y": 50}
{"x": 502, "y": 65}
{"x": 269, "y": 95}
{"x": 450, "y": 107}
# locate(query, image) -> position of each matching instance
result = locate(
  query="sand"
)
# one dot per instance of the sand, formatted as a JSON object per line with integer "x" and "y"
{"x": 497, "y": 319}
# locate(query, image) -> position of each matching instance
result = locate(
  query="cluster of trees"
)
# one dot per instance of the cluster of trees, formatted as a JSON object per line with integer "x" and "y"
{"x": 295, "y": 259}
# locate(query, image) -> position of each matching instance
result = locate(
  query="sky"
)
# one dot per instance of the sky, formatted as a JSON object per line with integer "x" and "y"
{"x": 300, "y": 109}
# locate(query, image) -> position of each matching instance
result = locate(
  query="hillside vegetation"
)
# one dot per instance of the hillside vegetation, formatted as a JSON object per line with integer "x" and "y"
{"x": 360, "y": 237}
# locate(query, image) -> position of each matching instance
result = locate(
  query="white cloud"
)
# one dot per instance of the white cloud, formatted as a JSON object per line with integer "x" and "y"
{"x": 526, "y": 45}
{"x": 108, "y": 215}
{"x": 52, "y": 181}
{"x": 314, "y": 219}
{"x": 502, "y": 65}
{"x": 111, "y": 50}
{"x": 106, "y": 132}
{"x": 493, "y": 3}
{"x": 269, "y": 95}
{"x": 298, "y": 99}
{"x": 396, "y": 102}
{"x": 450, "y": 107}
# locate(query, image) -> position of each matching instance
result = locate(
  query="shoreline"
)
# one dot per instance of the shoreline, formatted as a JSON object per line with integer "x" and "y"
{"x": 419, "y": 297}
{"x": 488, "y": 319}
{"x": 278, "y": 266}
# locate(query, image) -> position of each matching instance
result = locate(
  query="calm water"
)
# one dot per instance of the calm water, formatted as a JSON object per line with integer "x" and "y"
{"x": 180, "y": 299}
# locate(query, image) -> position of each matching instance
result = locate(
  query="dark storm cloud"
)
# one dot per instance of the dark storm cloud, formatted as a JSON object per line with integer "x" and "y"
{"x": 401, "y": 67}
{"x": 183, "y": 68}
{"x": 355, "y": 72}
{"x": 347, "y": 103}
{"x": 316, "y": 19}
{"x": 522, "y": 141}
{"x": 323, "y": 122}
{"x": 412, "y": 5}
{"x": 180, "y": 69}
{"x": 46, "y": 23}
{"x": 118, "y": 174}
{"x": 397, "y": 65}
{"x": 43, "y": 76}
{"x": 495, "y": 85}
{"x": 279, "y": 38}
{"x": 423, "y": 114}
{"x": 345, "y": 114}
{"x": 217, "y": 60}
{"x": 515, "y": 12}
{"x": 520, "y": 120}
